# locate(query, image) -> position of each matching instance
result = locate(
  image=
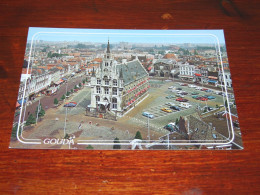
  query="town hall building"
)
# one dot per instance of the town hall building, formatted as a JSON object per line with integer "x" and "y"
{"x": 115, "y": 88}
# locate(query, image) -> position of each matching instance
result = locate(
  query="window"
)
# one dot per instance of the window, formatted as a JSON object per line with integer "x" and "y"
{"x": 98, "y": 90}
{"x": 106, "y": 82}
{"x": 114, "y": 103}
{"x": 106, "y": 64}
{"x": 114, "y": 91}
{"x": 98, "y": 81}
{"x": 115, "y": 82}
{"x": 97, "y": 98}
{"x": 106, "y": 90}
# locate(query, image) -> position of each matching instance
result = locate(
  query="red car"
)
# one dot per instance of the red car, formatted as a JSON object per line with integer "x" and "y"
{"x": 204, "y": 89}
{"x": 184, "y": 100}
{"x": 203, "y": 99}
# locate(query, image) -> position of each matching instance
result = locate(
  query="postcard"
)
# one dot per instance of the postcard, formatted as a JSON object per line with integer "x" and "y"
{"x": 106, "y": 89}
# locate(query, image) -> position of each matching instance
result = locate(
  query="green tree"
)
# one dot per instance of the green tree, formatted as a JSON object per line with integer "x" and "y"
{"x": 56, "y": 102}
{"x": 39, "y": 110}
{"x": 75, "y": 87}
{"x": 116, "y": 145}
{"x": 62, "y": 97}
{"x": 177, "y": 121}
{"x": 66, "y": 136}
{"x": 68, "y": 93}
{"x": 226, "y": 103}
{"x": 217, "y": 106}
{"x": 14, "y": 131}
{"x": 31, "y": 120}
{"x": 89, "y": 147}
{"x": 49, "y": 54}
{"x": 138, "y": 135}
{"x": 83, "y": 81}
{"x": 80, "y": 85}
{"x": 71, "y": 91}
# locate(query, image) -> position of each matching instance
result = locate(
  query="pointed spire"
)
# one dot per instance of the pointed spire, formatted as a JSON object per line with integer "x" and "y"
{"x": 108, "y": 47}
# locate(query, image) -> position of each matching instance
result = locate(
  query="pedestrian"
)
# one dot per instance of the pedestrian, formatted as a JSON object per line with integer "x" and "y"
{"x": 79, "y": 125}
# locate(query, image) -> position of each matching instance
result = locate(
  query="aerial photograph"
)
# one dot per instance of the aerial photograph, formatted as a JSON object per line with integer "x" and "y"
{"x": 98, "y": 89}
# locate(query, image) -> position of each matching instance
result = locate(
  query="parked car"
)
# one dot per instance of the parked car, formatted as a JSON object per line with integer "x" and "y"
{"x": 204, "y": 89}
{"x": 185, "y": 105}
{"x": 184, "y": 93}
{"x": 170, "y": 97}
{"x": 175, "y": 108}
{"x": 208, "y": 90}
{"x": 166, "y": 110}
{"x": 203, "y": 99}
{"x": 170, "y": 87}
{"x": 147, "y": 114}
{"x": 179, "y": 88}
{"x": 170, "y": 104}
{"x": 70, "y": 104}
{"x": 194, "y": 93}
{"x": 210, "y": 97}
{"x": 170, "y": 127}
{"x": 184, "y": 84}
{"x": 179, "y": 95}
{"x": 182, "y": 100}
{"x": 195, "y": 96}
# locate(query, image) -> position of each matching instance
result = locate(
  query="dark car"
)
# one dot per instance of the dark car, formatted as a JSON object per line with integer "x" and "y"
{"x": 169, "y": 127}
{"x": 175, "y": 108}
{"x": 184, "y": 93}
{"x": 179, "y": 88}
{"x": 183, "y": 100}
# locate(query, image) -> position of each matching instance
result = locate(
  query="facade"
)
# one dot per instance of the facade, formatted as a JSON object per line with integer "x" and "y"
{"x": 187, "y": 71}
{"x": 117, "y": 87}
{"x": 227, "y": 81}
{"x": 163, "y": 67}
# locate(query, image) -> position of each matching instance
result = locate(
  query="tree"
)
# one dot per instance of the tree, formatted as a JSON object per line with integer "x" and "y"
{"x": 226, "y": 103}
{"x": 89, "y": 147}
{"x": 14, "y": 131}
{"x": 39, "y": 111}
{"x": 31, "y": 120}
{"x": 116, "y": 145}
{"x": 49, "y": 55}
{"x": 75, "y": 87}
{"x": 138, "y": 135}
{"x": 56, "y": 102}
{"x": 177, "y": 121}
{"x": 71, "y": 91}
{"x": 86, "y": 79}
{"x": 62, "y": 97}
{"x": 80, "y": 85}
{"x": 83, "y": 81}
{"x": 68, "y": 93}
{"x": 66, "y": 136}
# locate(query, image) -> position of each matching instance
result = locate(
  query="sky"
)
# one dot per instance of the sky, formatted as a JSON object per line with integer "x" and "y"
{"x": 131, "y": 36}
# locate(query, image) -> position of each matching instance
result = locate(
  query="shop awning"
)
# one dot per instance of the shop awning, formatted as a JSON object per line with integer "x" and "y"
{"x": 212, "y": 81}
{"x": 21, "y": 100}
{"x": 212, "y": 77}
{"x": 17, "y": 104}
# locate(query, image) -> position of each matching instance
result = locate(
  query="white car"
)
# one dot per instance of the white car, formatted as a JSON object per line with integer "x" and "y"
{"x": 185, "y": 105}
{"x": 198, "y": 88}
{"x": 170, "y": 87}
{"x": 170, "y": 104}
